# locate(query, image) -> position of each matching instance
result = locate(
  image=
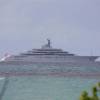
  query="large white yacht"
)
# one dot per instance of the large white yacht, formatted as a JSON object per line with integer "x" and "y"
{"x": 48, "y": 54}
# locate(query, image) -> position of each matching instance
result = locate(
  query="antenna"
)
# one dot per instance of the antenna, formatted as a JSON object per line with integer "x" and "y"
{"x": 49, "y": 43}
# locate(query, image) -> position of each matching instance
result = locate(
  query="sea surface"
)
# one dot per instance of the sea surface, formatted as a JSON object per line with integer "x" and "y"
{"x": 46, "y": 82}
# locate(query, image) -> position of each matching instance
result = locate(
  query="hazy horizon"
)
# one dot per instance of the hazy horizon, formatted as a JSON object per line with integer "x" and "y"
{"x": 73, "y": 25}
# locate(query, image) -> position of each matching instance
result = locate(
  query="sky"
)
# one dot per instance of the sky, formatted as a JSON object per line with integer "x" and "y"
{"x": 73, "y": 25}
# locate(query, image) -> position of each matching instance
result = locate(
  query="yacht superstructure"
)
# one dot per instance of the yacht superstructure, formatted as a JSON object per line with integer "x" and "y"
{"x": 48, "y": 54}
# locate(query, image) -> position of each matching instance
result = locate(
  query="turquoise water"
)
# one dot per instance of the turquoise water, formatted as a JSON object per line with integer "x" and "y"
{"x": 47, "y": 87}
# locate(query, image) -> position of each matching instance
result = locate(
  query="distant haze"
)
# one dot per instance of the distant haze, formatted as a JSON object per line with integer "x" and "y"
{"x": 73, "y": 25}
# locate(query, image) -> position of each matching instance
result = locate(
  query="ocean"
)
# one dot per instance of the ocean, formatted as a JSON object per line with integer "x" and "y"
{"x": 46, "y": 82}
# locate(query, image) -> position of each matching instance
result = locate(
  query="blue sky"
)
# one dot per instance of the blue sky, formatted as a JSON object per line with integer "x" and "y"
{"x": 73, "y": 25}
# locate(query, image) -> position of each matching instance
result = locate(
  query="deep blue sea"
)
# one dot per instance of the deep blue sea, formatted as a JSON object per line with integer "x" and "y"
{"x": 43, "y": 86}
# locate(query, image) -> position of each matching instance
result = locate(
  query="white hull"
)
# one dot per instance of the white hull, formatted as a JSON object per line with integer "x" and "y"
{"x": 52, "y": 59}
{"x": 68, "y": 61}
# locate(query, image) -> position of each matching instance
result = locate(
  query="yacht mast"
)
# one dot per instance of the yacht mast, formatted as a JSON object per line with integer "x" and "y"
{"x": 49, "y": 43}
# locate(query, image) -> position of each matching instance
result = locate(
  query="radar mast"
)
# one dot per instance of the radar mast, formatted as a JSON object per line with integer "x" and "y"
{"x": 49, "y": 43}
